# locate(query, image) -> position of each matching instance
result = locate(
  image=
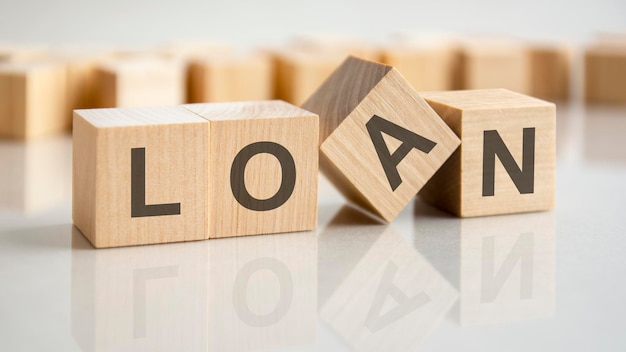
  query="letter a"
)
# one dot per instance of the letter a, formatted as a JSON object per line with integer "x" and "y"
{"x": 410, "y": 140}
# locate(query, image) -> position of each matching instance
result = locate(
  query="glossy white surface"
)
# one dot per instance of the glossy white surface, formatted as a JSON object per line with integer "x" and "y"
{"x": 428, "y": 281}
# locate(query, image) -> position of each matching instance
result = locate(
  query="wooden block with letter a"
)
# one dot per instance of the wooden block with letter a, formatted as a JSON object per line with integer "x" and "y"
{"x": 143, "y": 81}
{"x": 263, "y": 167}
{"x": 230, "y": 78}
{"x": 380, "y": 142}
{"x": 506, "y": 161}
{"x": 32, "y": 99}
{"x": 140, "y": 175}
{"x": 605, "y": 72}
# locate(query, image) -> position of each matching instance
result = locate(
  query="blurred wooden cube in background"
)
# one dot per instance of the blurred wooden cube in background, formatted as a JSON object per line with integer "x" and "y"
{"x": 550, "y": 70}
{"x": 33, "y": 99}
{"x": 605, "y": 70}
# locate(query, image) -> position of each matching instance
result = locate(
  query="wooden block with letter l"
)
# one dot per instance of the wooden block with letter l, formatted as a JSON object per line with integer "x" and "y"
{"x": 144, "y": 81}
{"x": 32, "y": 99}
{"x": 230, "y": 78}
{"x": 140, "y": 175}
{"x": 380, "y": 141}
{"x": 506, "y": 162}
{"x": 263, "y": 167}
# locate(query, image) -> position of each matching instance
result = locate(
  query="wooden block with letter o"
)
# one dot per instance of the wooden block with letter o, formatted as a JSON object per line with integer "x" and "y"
{"x": 140, "y": 175}
{"x": 263, "y": 167}
{"x": 380, "y": 142}
{"x": 506, "y": 161}
{"x": 32, "y": 99}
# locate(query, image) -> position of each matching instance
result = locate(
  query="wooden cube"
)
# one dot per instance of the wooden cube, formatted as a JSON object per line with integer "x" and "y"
{"x": 141, "y": 82}
{"x": 149, "y": 298}
{"x": 299, "y": 74}
{"x": 187, "y": 49}
{"x": 263, "y": 167}
{"x": 494, "y": 63}
{"x": 263, "y": 292}
{"x": 380, "y": 142}
{"x": 605, "y": 73}
{"x": 32, "y": 99}
{"x": 337, "y": 44}
{"x": 140, "y": 175}
{"x": 22, "y": 53}
{"x": 550, "y": 71}
{"x": 427, "y": 66}
{"x": 231, "y": 78}
{"x": 382, "y": 292}
{"x": 495, "y": 124}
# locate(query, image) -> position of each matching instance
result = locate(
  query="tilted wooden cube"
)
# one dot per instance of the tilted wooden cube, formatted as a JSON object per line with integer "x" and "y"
{"x": 231, "y": 78}
{"x": 380, "y": 142}
{"x": 140, "y": 175}
{"x": 605, "y": 72}
{"x": 141, "y": 81}
{"x": 263, "y": 167}
{"x": 506, "y": 162}
{"x": 32, "y": 99}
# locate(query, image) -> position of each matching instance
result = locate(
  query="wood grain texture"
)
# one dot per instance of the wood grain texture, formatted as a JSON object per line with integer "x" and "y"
{"x": 231, "y": 78}
{"x": 32, "y": 99}
{"x": 458, "y": 186}
{"x": 145, "y": 81}
{"x": 605, "y": 72}
{"x": 176, "y": 144}
{"x": 550, "y": 71}
{"x": 356, "y": 92}
{"x": 235, "y": 126}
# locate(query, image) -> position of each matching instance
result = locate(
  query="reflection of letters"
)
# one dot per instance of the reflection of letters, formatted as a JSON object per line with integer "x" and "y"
{"x": 240, "y": 301}
{"x": 405, "y": 305}
{"x": 493, "y": 282}
{"x": 140, "y": 278}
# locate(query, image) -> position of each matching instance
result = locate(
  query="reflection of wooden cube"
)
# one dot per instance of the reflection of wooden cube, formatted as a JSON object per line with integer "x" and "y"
{"x": 369, "y": 111}
{"x": 299, "y": 74}
{"x": 263, "y": 167}
{"x": 494, "y": 64}
{"x": 32, "y": 99}
{"x": 262, "y": 292}
{"x": 36, "y": 174}
{"x": 230, "y": 78}
{"x": 507, "y": 269}
{"x": 381, "y": 293}
{"x": 495, "y": 124}
{"x": 549, "y": 71}
{"x": 145, "y": 298}
{"x": 140, "y": 175}
{"x": 605, "y": 73}
{"x": 141, "y": 82}
{"x": 426, "y": 67}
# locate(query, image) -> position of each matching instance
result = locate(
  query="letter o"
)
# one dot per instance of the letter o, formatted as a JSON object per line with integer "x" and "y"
{"x": 237, "y": 176}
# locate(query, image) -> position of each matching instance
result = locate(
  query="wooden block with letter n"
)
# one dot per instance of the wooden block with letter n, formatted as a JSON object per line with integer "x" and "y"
{"x": 140, "y": 175}
{"x": 506, "y": 161}
{"x": 263, "y": 167}
{"x": 380, "y": 141}
{"x": 32, "y": 99}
